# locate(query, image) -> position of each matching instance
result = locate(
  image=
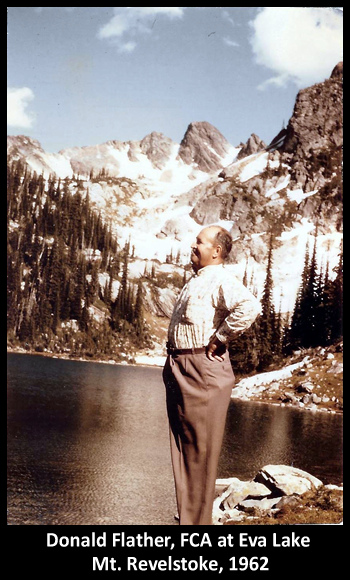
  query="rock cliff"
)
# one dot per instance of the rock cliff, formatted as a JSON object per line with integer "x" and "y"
{"x": 314, "y": 136}
{"x": 204, "y": 146}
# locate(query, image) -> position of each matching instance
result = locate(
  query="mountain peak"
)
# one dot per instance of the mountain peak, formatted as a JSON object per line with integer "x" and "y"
{"x": 204, "y": 145}
{"x": 157, "y": 147}
{"x": 316, "y": 126}
{"x": 22, "y": 144}
{"x": 337, "y": 72}
{"x": 253, "y": 145}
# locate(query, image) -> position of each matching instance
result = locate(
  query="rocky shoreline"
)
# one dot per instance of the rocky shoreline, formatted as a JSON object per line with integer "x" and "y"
{"x": 278, "y": 494}
{"x": 313, "y": 380}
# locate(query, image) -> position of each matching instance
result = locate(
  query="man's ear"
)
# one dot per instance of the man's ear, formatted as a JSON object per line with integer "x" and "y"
{"x": 218, "y": 251}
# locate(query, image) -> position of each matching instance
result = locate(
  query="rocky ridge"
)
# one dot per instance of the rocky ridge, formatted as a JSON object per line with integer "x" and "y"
{"x": 313, "y": 147}
{"x": 203, "y": 149}
{"x": 317, "y": 120}
{"x": 253, "y": 145}
{"x": 159, "y": 194}
{"x": 306, "y": 157}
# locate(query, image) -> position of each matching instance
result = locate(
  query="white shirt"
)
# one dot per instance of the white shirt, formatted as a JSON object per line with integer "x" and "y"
{"x": 212, "y": 303}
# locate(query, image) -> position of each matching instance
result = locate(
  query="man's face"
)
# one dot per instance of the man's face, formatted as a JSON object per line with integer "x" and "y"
{"x": 204, "y": 250}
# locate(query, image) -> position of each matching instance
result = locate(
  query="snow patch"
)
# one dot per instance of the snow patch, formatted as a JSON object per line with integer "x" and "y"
{"x": 257, "y": 383}
{"x": 274, "y": 190}
{"x": 254, "y": 165}
{"x": 298, "y": 194}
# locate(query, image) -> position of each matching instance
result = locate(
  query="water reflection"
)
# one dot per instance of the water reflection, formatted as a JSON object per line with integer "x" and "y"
{"x": 259, "y": 434}
{"x": 88, "y": 443}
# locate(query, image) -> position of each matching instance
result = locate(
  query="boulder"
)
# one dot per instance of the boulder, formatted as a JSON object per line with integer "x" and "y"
{"x": 286, "y": 480}
{"x": 241, "y": 490}
{"x": 273, "y": 488}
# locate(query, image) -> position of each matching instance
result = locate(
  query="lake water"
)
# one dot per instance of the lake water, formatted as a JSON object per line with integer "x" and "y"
{"x": 88, "y": 443}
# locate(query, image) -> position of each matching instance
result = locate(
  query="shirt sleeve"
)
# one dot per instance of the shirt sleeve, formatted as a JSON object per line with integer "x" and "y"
{"x": 243, "y": 309}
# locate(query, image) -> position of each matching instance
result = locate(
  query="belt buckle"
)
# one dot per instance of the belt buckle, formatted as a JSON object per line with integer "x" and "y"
{"x": 170, "y": 349}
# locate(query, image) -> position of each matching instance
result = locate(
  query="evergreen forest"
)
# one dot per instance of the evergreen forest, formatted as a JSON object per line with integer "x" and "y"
{"x": 57, "y": 249}
{"x": 63, "y": 262}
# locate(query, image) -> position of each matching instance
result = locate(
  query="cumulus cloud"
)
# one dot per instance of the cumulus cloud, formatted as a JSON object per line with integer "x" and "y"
{"x": 127, "y": 23}
{"x": 17, "y": 103}
{"x": 300, "y": 45}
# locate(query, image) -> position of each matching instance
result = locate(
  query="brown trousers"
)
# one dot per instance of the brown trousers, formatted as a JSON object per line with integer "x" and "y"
{"x": 198, "y": 393}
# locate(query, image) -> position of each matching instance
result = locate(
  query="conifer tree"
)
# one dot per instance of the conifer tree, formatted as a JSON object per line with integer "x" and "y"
{"x": 310, "y": 301}
{"x": 138, "y": 320}
{"x": 67, "y": 295}
{"x": 13, "y": 291}
{"x": 267, "y": 319}
{"x": 93, "y": 287}
{"x": 336, "y": 300}
{"x": 79, "y": 293}
{"x": 303, "y": 330}
{"x": 244, "y": 350}
{"x": 317, "y": 315}
{"x": 321, "y": 307}
{"x": 25, "y": 327}
{"x": 107, "y": 295}
{"x": 123, "y": 291}
{"x": 294, "y": 334}
{"x": 245, "y": 275}
{"x": 55, "y": 280}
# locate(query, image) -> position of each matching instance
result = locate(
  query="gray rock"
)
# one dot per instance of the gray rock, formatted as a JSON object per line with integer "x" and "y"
{"x": 273, "y": 488}
{"x": 306, "y": 387}
{"x": 287, "y": 500}
{"x": 257, "y": 507}
{"x": 286, "y": 480}
{"x": 241, "y": 490}
{"x": 203, "y": 145}
{"x": 253, "y": 145}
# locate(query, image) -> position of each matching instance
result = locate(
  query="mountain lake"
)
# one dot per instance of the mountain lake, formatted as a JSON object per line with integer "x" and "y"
{"x": 88, "y": 443}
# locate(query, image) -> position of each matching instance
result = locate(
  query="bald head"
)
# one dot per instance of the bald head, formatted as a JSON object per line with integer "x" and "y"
{"x": 212, "y": 246}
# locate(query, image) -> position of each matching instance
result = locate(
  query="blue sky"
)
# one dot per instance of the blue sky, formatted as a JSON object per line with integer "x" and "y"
{"x": 83, "y": 76}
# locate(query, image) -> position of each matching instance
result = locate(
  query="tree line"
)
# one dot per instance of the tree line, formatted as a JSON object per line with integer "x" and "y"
{"x": 315, "y": 321}
{"x": 57, "y": 249}
{"x": 63, "y": 261}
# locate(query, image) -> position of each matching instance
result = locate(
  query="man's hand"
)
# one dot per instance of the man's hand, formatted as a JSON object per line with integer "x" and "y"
{"x": 215, "y": 349}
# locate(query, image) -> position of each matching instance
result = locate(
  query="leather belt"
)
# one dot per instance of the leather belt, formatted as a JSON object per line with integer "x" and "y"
{"x": 176, "y": 351}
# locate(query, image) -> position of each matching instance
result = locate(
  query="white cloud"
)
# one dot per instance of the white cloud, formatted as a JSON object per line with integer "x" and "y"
{"x": 17, "y": 103}
{"x": 115, "y": 27}
{"x": 131, "y": 21}
{"x": 67, "y": 9}
{"x": 301, "y": 45}
{"x": 230, "y": 42}
{"x": 226, "y": 16}
{"x": 127, "y": 47}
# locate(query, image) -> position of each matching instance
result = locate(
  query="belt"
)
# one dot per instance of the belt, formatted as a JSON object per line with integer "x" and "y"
{"x": 176, "y": 351}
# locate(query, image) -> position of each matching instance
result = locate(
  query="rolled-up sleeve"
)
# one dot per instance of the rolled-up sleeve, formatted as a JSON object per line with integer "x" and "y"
{"x": 243, "y": 309}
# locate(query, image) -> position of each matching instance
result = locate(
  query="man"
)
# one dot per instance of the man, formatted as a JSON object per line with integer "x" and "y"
{"x": 212, "y": 308}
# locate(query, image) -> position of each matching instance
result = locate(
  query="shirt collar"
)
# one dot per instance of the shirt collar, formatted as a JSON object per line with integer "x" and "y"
{"x": 208, "y": 268}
